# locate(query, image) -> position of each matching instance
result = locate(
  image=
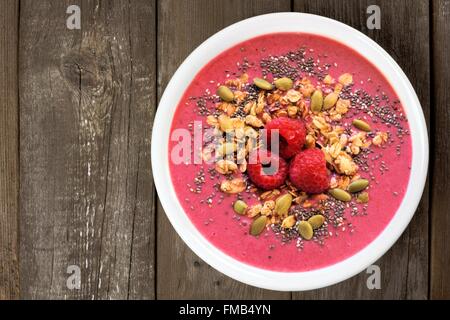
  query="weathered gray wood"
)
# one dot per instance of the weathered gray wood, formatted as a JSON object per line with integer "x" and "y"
{"x": 405, "y": 35}
{"x": 87, "y": 99}
{"x": 440, "y": 160}
{"x": 183, "y": 25}
{"x": 9, "y": 150}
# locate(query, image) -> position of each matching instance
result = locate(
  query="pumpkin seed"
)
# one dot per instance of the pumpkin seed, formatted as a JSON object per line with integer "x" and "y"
{"x": 305, "y": 230}
{"x": 262, "y": 84}
{"x": 316, "y": 221}
{"x": 225, "y": 93}
{"x": 282, "y": 204}
{"x": 330, "y": 100}
{"x": 340, "y": 194}
{"x": 284, "y": 83}
{"x": 358, "y": 185}
{"x": 240, "y": 207}
{"x": 363, "y": 197}
{"x": 361, "y": 125}
{"x": 316, "y": 101}
{"x": 258, "y": 225}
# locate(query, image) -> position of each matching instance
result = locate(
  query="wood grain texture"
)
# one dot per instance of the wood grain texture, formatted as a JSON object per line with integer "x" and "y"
{"x": 440, "y": 202}
{"x": 183, "y": 25}
{"x": 87, "y": 99}
{"x": 404, "y": 34}
{"x": 9, "y": 150}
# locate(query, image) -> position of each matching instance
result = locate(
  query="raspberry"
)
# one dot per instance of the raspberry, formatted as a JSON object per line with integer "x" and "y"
{"x": 308, "y": 171}
{"x": 262, "y": 172}
{"x": 292, "y": 135}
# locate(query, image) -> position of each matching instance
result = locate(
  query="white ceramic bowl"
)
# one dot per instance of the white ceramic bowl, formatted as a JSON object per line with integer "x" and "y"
{"x": 250, "y": 28}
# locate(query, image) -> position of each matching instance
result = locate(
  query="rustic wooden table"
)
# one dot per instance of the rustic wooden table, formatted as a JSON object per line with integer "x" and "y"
{"x": 76, "y": 112}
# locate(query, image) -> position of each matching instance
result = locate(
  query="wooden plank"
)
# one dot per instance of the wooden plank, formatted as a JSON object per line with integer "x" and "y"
{"x": 440, "y": 170}
{"x": 87, "y": 100}
{"x": 405, "y": 35}
{"x": 9, "y": 150}
{"x": 183, "y": 25}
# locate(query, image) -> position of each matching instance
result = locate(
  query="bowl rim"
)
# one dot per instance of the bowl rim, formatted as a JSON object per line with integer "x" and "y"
{"x": 247, "y": 29}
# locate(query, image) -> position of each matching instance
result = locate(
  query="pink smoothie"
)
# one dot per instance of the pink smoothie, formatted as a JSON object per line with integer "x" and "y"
{"x": 389, "y": 166}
